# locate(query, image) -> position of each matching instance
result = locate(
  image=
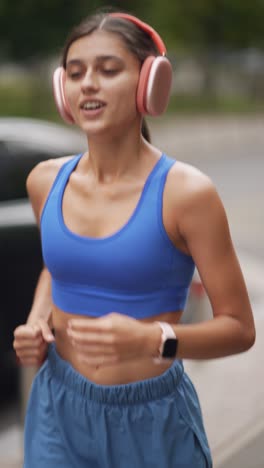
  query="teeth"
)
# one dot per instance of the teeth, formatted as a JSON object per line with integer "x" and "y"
{"x": 92, "y": 105}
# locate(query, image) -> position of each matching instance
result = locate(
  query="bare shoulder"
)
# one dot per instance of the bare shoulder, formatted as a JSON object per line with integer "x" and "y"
{"x": 40, "y": 181}
{"x": 189, "y": 177}
{"x": 191, "y": 187}
{"x": 193, "y": 199}
{"x": 43, "y": 175}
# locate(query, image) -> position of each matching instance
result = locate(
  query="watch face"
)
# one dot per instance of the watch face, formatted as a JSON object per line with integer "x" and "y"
{"x": 170, "y": 348}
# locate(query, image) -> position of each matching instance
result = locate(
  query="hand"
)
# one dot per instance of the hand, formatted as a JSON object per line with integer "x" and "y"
{"x": 112, "y": 338}
{"x": 31, "y": 342}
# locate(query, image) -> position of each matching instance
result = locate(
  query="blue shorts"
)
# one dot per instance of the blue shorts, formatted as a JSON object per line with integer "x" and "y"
{"x": 74, "y": 423}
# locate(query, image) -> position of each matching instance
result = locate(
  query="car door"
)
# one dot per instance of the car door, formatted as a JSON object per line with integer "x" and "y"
{"x": 20, "y": 252}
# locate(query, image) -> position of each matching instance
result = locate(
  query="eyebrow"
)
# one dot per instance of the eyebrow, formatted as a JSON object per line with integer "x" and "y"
{"x": 99, "y": 58}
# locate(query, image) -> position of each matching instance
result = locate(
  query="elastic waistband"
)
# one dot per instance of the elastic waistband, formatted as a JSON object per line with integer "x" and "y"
{"x": 125, "y": 394}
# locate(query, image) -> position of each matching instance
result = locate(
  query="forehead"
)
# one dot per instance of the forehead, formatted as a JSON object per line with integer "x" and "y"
{"x": 97, "y": 44}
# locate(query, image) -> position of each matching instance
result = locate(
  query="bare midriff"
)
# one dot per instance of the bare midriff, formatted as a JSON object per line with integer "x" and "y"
{"x": 117, "y": 374}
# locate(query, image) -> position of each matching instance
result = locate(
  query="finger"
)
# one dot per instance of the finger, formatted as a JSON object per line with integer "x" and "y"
{"x": 90, "y": 338}
{"x": 40, "y": 350}
{"x": 30, "y": 353}
{"x": 98, "y": 360}
{"x": 88, "y": 324}
{"x": 32, "y": 349}
{"x": 95, "y": 350}
{"x": 46, "y": 332}
{"x": 27, "y": 331}
{"x": 28, "y": 343}
{"x": 31, "y": 362}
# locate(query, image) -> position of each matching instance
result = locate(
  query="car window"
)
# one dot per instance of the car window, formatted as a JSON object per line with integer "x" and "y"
{"x": 16, "y": 161}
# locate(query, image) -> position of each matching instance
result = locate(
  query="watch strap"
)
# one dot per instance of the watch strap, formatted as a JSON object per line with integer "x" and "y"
{"x": 167, "y": 329}
{"x": 167, "y": 333}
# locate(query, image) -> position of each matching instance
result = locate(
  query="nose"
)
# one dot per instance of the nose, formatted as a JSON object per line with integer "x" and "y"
{"x": 90, "y": 82}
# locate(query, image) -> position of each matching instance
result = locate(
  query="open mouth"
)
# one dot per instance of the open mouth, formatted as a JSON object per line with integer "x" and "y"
{"x": 92, "y": 105}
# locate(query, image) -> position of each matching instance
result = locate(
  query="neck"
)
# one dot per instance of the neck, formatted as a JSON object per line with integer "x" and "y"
{"x": 109, "y": 158}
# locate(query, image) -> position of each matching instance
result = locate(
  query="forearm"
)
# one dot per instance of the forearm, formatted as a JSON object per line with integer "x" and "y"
{"x": 219, "y": 337}
{"x": 42, "y": 302}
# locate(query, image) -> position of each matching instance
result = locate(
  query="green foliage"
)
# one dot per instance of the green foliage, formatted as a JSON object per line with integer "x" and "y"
{"x": 209, "y": 104}
{"x": 30, "y": 99}
{"x": 229, "y": 23}
{"x": 208, "y": 23}
{"x": 35, "y": 100}
{"x": 31, "y": 28}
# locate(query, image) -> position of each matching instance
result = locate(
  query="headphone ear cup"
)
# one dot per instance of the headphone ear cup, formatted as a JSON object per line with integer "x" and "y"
{"x": 59, "y": 95}
{"x": 154, "y": 85}
{"x": 143, "y": 84}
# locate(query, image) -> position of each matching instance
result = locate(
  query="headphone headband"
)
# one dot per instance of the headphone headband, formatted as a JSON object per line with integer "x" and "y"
{"x": 154, "y": 82}
{"x": 148, "y": 29}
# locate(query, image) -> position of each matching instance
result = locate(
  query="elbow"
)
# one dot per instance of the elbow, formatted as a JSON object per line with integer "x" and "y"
{"x": 248, "y": 338}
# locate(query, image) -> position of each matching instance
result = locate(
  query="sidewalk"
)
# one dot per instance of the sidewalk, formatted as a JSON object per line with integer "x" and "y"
{"x": 231, "y": 389}
{"x": 231, "y": 395}
{"x": 207, "y": 136}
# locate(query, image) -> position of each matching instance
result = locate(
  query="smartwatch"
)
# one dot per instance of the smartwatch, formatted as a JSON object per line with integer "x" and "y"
{"x": 168, "y": 345}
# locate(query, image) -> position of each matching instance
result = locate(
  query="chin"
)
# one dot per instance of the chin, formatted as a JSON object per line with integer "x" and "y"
{"x": 93, "y": 128}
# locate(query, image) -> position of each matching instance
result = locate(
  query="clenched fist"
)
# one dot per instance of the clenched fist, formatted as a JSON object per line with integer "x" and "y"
{"x": 31, "y": 342}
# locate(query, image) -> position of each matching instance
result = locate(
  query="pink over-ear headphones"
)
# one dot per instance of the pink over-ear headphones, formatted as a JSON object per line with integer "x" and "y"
{"x": 154, "y": 81}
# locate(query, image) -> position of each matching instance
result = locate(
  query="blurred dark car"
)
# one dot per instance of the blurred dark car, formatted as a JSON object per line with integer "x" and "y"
{"x": 23, "y": 144}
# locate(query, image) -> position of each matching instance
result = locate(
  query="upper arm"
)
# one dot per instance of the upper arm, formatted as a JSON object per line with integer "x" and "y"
{"x": 204, "y": 227}
{"x": 40, "y": 181}
{"x": 36, "y": 188}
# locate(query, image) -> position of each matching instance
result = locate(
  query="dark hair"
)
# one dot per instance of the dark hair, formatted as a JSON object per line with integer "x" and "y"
{"x": 137, "y": 41}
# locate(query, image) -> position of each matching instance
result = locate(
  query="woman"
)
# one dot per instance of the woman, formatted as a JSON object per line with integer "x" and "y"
{"x": 122, "y": 227}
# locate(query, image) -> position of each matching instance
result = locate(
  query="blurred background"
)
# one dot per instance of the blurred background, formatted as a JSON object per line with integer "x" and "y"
{"x": 214, "y": 121}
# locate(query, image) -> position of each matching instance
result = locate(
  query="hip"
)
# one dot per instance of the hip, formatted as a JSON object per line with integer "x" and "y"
{"x": 153, "y": 422}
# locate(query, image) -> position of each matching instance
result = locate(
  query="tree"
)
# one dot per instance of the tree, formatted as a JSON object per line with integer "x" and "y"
{"x": 31, "y": 28}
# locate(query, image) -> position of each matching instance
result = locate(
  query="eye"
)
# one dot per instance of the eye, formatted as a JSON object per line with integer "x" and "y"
{"x": 74, "y": 74}
{"x": 110, "y": 71}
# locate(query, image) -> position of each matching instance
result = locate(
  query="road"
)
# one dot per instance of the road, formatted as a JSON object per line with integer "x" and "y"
{"x": 240, "y": 184}
{"x": 231, "y": 152}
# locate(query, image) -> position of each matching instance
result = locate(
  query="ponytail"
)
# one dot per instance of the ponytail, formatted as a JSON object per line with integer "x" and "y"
{"x": 145, "y": 130}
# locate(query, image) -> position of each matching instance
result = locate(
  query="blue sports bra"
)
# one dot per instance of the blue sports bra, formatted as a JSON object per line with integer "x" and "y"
{"x": 137, "y": 271}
